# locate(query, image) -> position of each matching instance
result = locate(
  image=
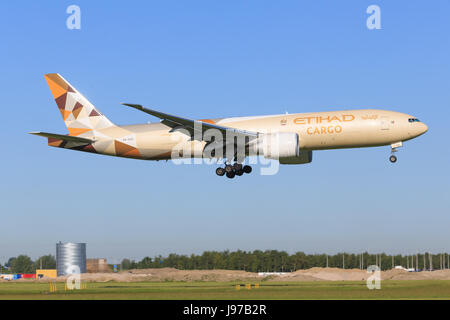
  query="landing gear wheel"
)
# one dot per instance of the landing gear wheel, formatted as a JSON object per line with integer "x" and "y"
{"x": 220, "y": 171}
{"x": 231, "y": 174}
{"x": 394, "y": 147}
{"x": 237, "y": 166}
{"x": 247, "y": 169}
{"x": 228, "y": 168}
{"x": 240, "y": 172}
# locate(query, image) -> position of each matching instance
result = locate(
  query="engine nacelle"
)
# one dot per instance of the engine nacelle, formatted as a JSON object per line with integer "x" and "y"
{"x": 276, "y": 145}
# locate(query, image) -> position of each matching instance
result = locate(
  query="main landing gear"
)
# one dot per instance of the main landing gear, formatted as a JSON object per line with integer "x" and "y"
{"x": 394, "y": 147}
{"x": 237, "y": 169}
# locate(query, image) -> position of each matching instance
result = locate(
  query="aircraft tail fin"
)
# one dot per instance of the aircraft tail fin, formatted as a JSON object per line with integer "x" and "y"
{"x": 79, "y": 115}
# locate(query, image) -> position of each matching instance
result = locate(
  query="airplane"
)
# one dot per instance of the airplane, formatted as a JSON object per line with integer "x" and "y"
{"x": 288, "y": 138}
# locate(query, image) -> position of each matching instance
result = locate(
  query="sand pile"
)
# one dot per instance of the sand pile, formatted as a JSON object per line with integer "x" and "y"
{"x": 166, "y": 274}
{"x": 325, "y": 274}
{"x": 313, "y": 274}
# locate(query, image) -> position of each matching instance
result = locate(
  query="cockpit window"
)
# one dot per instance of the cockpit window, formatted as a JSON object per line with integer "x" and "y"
{"x": 413, "y": 120}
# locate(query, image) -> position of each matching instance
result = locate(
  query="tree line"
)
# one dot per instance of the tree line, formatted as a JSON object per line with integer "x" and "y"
{"x": 24, "y": 264}
{"x": 281, "y": 261}
{"x": 252, "y": 261}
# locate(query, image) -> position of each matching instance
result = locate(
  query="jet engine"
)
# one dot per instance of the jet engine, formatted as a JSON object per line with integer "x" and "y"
{"x": 276, "y": 145}
{"x": 282, "y": 146}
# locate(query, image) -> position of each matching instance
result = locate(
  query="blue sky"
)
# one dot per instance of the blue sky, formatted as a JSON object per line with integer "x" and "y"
{"x": 203, "y": 59}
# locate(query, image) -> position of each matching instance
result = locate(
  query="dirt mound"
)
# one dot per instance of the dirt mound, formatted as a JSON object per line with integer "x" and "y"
{"x": 324, "y": 274}
{"x": 424, "y": 275}
{"x": 313, "y": 274}
{"x": 336, "y": 274}
{"x": 165, "y": 274}
{"x": 171, "y": 274}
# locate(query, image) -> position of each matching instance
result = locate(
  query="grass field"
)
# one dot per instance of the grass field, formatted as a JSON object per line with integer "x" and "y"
{"x": 404, "y": 289}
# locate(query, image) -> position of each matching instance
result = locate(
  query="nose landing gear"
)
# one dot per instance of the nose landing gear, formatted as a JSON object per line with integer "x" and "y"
{"x": 394, "y": 147}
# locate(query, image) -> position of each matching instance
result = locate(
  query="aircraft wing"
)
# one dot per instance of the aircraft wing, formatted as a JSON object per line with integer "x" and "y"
{"x": 193, "y": 126}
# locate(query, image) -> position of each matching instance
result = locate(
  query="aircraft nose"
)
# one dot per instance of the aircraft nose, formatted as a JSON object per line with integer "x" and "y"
{"x": 423, "y": 128}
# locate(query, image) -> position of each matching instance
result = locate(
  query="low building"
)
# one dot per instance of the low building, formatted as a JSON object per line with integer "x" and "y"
{"x": 97, "y": 265}
{"x": 49, "y": 273}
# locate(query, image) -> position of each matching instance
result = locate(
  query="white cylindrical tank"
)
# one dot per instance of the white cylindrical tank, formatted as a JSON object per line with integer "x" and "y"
{"x": 70, "y": 257}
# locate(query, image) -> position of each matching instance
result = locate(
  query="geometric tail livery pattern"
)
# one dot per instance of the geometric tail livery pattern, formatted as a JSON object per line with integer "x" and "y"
{"x": 79, "y": 115}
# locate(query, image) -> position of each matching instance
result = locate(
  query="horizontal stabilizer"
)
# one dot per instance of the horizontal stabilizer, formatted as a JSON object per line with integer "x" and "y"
{"x": 63, "y": 137}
